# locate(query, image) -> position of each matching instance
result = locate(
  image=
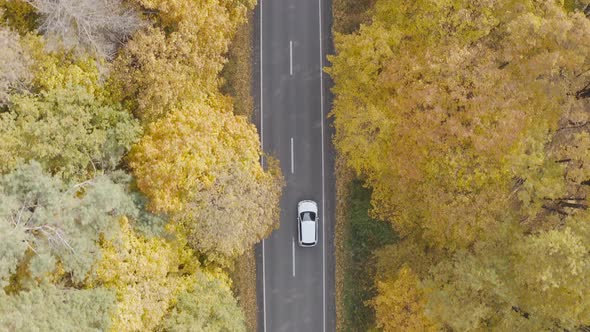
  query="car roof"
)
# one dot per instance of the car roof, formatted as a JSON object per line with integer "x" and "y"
{"x": 307, "y": 205}
{"x": 308, "y": 230}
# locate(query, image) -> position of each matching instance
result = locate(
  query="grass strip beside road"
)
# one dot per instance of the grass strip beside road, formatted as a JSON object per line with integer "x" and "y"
{"x": 357, "y": 238}
{"x": 344, "y": 177}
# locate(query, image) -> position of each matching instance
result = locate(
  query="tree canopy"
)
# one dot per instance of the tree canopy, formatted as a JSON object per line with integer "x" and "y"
{"x": 198, "y": 163}
{"x": 48, "y": 225}
{"x": 206, "y": 305}
{"x": 93, "y": 237}
{"x": 14, "y": 64}
{"x": 469, "y": 121}
{"x": 50, "y": 308}
{"x": 67, "y": 130}
{"x": 161, "y": 68}
{"x": 98, "y": 26}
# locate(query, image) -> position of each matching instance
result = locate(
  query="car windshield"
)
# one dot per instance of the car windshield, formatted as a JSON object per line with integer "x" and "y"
{"x": 308, "y": 216}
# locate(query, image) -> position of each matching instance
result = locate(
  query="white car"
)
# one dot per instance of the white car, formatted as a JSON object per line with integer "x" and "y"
{"x": 307, "y": 223}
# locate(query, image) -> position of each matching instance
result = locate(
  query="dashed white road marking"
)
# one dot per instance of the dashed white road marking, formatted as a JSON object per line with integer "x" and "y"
{"x": 292, "y": 158}
{"x": 293, "y": 257}
{"x": 291, "y": 57}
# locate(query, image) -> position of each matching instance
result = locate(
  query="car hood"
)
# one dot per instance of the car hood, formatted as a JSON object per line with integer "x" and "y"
{"x": 308, "y": 232}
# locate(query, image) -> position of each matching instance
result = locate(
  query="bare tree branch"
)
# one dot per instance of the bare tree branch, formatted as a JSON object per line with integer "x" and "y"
{"x": 53, "y": 235}
{"x": 101, "y": 25}
{"x": 14, "y": 65}
{"x": 20, "y": 213}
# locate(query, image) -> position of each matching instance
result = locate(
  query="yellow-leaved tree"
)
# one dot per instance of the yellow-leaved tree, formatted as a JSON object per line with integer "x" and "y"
{"x": 400, "y": 304}
{"x": 200, "y": 163}
{"x": 178, "y": 61}
{"x": 442, "y": 110}
{"x": 153, "y": 278}
{"x": 466, "y": 118}
{"x": 146, "y": 273}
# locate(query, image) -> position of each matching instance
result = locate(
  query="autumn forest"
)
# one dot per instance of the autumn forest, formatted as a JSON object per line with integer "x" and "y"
{"x": 469, "y": 123}
{"x": 123, "y": 167}
{"x": 124, "y": 164}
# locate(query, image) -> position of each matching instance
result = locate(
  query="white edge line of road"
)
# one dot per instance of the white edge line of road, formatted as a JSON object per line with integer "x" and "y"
{"x": 323, "y": 171}
{"x": 262, "y": 163}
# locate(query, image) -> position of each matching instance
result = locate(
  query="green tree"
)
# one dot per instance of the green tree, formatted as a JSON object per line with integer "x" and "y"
{"x": 51, "y": 308}
{"x": 516, "y": 282}
{"x": 469, "y": 292}
{"x": 552, "y": 275}
{"x": 207, "y": 304}
{"x": 52, "y": 228}
{"x": 67, "y": 130}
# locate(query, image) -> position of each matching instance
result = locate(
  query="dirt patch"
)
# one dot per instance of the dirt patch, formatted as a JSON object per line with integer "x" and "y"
{"x": 350, "y": 14}
{"x": 244, "y": 286}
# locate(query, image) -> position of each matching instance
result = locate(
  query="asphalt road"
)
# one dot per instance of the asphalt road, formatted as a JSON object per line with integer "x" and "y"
{"x": 296, "y": 285}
